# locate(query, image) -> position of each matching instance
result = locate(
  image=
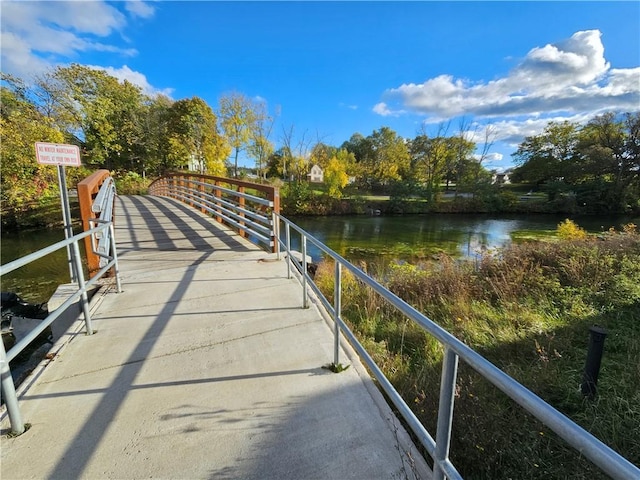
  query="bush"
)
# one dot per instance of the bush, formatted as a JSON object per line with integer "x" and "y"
{"x": 131, "y": 183}
{"x": 569, "y": 230}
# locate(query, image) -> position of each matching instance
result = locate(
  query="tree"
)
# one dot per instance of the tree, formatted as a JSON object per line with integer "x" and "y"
{"x": 106, "y": 114}
{"x": 335, "y": 172}
{"x": 608, "y": 152}
{"x": 295, "y": 158}
{"x": 156, "y": 134}
{"x": 430, "y": 158}
{"x": 321, "y": 154}
{"x": 193, "y": 135}
{"x": 240, "y": 118}
{"x": 260, "y": 147}
{"x": 387, "y": 159}
{"x": 22, "y": 180}
{"x": 549, "y": 156}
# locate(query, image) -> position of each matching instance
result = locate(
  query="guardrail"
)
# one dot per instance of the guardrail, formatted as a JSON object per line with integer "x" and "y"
{"x": 8, "y": 388}
{"x": 96, "y": 195}
{"x": 600, "y": 454}
{"x": 228, "y": 201}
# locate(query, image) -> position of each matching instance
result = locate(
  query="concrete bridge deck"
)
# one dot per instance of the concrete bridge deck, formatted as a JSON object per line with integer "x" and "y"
{"x": 204, "y": 367}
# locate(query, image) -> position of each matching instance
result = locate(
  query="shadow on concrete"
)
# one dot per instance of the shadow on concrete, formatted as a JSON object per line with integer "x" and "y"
{"x": 78, "y": 453}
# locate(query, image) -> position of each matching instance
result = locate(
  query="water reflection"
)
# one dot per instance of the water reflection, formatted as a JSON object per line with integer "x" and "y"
{"x": 36, "y": 281}
{"x": 414, "y": 237}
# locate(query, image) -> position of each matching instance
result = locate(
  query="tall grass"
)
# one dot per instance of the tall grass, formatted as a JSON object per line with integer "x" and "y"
{"x": 527, "y": 310}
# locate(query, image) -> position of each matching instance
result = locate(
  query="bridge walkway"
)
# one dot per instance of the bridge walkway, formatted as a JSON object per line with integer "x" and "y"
{"x": 204, "y": 367}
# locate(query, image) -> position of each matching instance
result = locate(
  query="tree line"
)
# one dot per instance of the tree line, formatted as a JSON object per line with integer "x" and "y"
{"x": 120, "y": 128}
{"x": 596, "y": 165}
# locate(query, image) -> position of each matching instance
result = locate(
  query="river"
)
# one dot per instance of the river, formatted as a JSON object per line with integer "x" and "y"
{"x": 37, "y": 281}
{"x": 408, "y": 237}
{"x": 413, "y": 237}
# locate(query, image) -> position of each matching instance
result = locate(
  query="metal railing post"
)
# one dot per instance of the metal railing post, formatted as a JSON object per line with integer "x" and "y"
{"x": 275, "y": 221}
{"x": 445, "y": 411}
{"x": 84, "y": 301}
{"x": 337, "y": 307}
{"x": 305, "y": 300}
{"x": 287, "y": 232}
{"x": 114, "y": 254}
{"x": 9, "y": 394}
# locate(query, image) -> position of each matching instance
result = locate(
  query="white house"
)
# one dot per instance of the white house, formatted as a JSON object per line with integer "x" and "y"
{"x": 501, "y": 178}
{"x": 316, "y": 175}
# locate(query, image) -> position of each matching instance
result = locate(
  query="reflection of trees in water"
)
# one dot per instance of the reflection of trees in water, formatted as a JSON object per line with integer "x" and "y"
{"x": 412, "y": 236}
{"x": 36, "y": 281}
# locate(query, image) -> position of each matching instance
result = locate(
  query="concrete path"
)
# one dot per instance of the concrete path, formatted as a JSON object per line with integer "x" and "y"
{"x": 204, "y": 367}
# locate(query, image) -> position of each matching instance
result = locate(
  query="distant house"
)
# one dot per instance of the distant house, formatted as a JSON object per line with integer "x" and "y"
{"x": 316, "y": 175}
{"x": 501, "y": 178}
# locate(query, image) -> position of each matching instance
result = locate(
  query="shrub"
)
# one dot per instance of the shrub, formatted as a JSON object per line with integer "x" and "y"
{"x": 569, "y": 230}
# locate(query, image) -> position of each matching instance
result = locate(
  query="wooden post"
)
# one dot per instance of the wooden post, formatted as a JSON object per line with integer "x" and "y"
{"x": 241, "y": 203}
{"x": 218, "y": 194}
{"x": 274, "y": 196}
{"x": 87, "y": 190}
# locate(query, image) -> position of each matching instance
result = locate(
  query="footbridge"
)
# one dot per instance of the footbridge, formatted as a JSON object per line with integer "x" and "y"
{"x": 209, "y": 353}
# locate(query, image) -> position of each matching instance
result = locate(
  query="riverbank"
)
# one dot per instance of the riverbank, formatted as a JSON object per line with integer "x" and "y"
{"x": 527, "y": 310}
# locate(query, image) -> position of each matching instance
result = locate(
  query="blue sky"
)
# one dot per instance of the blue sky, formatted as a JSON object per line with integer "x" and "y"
{"x": 331, "y": 69}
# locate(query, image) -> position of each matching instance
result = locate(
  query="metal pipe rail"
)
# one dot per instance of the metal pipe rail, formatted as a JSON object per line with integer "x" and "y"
{"x": 600, "y": 454}
{"x": 7, "y": 386}
{"x": 95, "y": 197}
{"x": 250, "y": 215}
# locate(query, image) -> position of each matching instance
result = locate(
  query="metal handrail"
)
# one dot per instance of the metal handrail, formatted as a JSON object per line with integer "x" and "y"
{"x": 250, "y": 215}
{"x": 7, "y": 385}
{"x": 599, "y": 453}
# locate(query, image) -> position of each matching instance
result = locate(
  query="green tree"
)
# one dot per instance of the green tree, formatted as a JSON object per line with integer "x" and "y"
{"x": 193, "y": 135}
{"x": 387, "y": 158}
{"x": 549, "y": 156}
{"x": 608, "y": 149}
{"x": 107, "y": 115}
{"x": 23, "y": 181}
{"x": 429, "y": 158}
{"x": 241, "y": 118}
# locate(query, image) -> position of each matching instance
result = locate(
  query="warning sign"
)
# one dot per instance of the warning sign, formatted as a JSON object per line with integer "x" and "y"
{"x": 58, "y": 154}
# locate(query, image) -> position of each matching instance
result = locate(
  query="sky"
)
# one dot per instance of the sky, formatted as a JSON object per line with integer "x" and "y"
{"x": 327, "y": 70}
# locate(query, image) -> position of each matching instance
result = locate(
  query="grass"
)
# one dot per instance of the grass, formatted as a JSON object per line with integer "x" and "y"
{"x": 527, "y": 310}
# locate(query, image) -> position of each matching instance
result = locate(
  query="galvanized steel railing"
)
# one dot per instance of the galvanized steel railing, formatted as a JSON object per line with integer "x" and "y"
{"x": 105, "y": 230}
{"x": 600, "y": 454}
{"x": 227, "y": 200}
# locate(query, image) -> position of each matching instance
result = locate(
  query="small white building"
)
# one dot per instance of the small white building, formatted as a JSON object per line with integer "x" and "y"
{"x": 501, "y": 178}
{"x": 316, "y": 175}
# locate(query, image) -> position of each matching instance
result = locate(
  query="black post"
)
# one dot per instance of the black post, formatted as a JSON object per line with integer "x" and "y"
{"x": 592, "y": 365}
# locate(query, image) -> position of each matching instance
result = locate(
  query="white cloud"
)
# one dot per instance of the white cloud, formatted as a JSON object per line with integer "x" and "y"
{"x": 137, "y": 78}
{"x": 140, "y": 9}
{"x": 383, "y": 109}
{"x": 570, "y": 77}
{"x": 37, "y": 36}
{"x": 513, "y": 131}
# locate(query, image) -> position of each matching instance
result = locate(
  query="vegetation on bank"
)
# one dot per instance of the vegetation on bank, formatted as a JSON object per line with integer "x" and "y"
{"x": 527, "y": 309}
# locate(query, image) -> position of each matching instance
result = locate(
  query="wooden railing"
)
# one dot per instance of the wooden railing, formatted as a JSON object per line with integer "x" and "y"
{"x": 87, "y": 191}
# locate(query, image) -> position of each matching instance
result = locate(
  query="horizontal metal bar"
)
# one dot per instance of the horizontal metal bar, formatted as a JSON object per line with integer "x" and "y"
{"x": 197, "y": 194}
{"x": 253, "y": 198}
{"x": 232, "y": 212}
{"x": 21, "y": 262}
{"x": 103, "y": 196}
{"x": 219, "y": 212}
